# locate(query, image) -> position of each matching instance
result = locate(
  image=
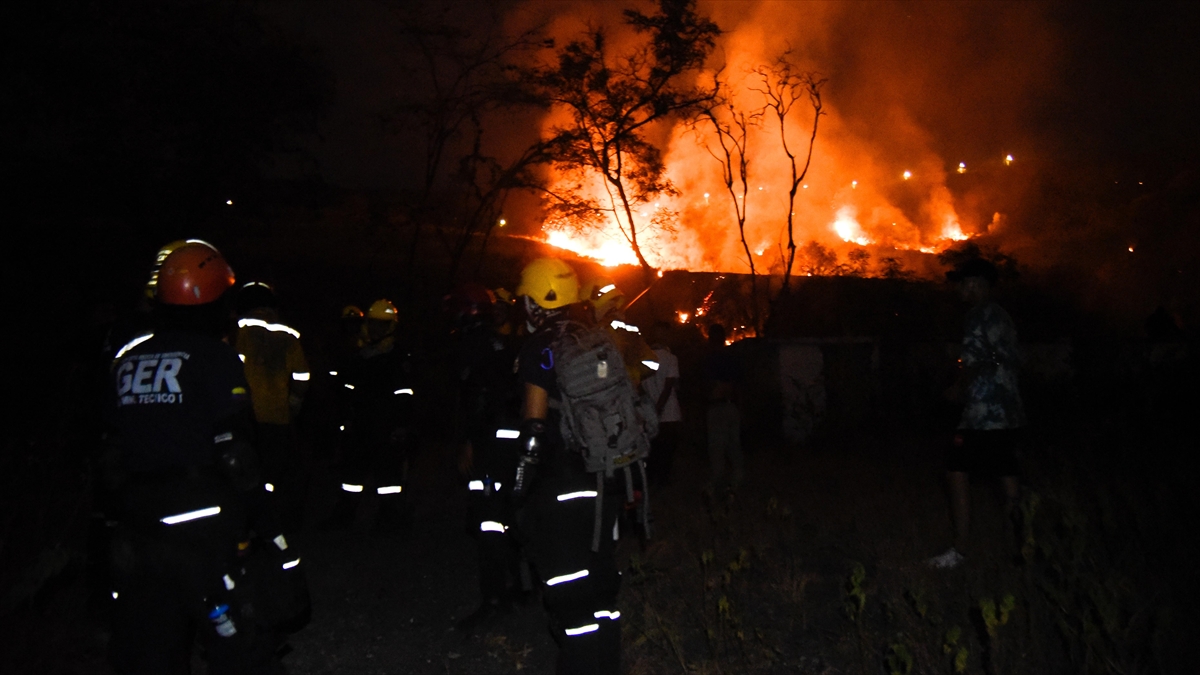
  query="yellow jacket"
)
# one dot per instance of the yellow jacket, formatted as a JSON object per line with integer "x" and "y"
{"x": 275, "y": 366}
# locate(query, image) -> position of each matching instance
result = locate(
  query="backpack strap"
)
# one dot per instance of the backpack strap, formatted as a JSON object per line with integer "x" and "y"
{"x": 598, "y": 521}
{"x": 645, "y": 499}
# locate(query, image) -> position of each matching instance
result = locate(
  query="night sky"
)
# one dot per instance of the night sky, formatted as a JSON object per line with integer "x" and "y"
{"x": 136, "y": 120}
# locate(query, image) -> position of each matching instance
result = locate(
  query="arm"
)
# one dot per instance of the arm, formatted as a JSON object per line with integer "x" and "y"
{"x": 668, "y": 388}
{"x": 537, "y": 403}
{"x": 533, "y": 437}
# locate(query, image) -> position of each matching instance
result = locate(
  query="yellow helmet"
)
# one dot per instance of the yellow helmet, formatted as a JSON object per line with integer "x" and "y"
{"x": 604, "y": 295}
{"x": 550, "y": 283}
{"x": 382, "y": 310}
{"x": 351, "y": 312}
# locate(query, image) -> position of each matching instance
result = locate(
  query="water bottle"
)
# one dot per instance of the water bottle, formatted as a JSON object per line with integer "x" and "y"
{"x": 221, "y": 621}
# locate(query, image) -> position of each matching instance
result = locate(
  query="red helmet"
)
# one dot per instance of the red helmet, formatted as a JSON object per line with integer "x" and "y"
{"x": 193, "y": 274}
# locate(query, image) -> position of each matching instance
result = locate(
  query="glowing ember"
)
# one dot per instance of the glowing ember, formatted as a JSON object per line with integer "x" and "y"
{"x": 853, "y": 185}
{"x": 907, "y": 175}
{"x": 1008, "y": 160}
{"x": 846, "y": 225}
{"x": 683, "y": 317}
{"x": 1131, "y": 249}
{"x": 962, "y": 167}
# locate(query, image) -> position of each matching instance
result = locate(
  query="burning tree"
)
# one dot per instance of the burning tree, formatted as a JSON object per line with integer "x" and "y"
{"x": 782, "y": 87}
{"x": 611, "y": 102}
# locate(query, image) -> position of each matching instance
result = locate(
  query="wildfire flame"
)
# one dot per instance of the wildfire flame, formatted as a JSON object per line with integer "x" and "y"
{"x": 953, "y": 231}
{"x": 860, "y": 192}
{"x": 601, "y": 245}
{"x": 848, "y": 228}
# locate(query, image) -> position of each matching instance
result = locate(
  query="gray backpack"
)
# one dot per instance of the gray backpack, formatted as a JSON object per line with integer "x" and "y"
{"x": 603, "y": 418}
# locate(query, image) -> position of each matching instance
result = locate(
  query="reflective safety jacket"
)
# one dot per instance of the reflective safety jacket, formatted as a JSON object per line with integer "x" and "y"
{"x": 275, "y": 366}
{"x": 172, "y": 394}
{"x": 640, "y": 359}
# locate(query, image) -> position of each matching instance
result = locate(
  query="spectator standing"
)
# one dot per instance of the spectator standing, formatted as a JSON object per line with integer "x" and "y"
{"x": 662, "y": 389}
{"x": 993, "y": 415}
{"x": 724, "y": 417}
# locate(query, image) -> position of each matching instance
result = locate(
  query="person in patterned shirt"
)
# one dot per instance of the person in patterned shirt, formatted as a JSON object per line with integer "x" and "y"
{"x": 993, "y": 414}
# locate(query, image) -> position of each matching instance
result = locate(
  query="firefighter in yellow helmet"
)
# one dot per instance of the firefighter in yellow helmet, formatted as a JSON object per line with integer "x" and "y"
{"x": 608, "y": 304}
{"x": 277, "y": 371}
{"x": 350, "y": 324}
{"x": 570, "y": 506}
{"x": 380, "y": 386}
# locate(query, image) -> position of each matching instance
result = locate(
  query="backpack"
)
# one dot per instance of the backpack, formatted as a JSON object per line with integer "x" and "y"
{"x": 602, "y": 417}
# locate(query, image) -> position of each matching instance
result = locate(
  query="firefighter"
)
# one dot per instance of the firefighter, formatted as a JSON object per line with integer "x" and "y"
{"x": 182, "y": 461}
{"x": 350, "y": 329}
{"x": 330, "y": 414}
{"x": 489, "y": 404}
{"x": 278, "y": 374}
{"x": 559, "y": 517}
{"x": 608, "y": 304}
{"x": 380, "y": 429}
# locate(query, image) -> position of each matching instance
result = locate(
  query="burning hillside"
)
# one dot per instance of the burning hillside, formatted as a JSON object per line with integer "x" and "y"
{"x": 911, "y": 153}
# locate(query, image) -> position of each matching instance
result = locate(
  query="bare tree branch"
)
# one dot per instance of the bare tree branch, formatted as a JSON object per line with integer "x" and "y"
{"x": 782, "y": 86}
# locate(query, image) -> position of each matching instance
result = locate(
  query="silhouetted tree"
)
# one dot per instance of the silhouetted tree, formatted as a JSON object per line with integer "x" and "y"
{"x": 817, "y": 260}
{"x": 731, "y": 128}
{"x": 462, "y": 76}
{"x": 860, "y": 261}
{"x": 1006, "y": 265}
{"x": 892, "y": 268}
{"x": 782, "y": 87}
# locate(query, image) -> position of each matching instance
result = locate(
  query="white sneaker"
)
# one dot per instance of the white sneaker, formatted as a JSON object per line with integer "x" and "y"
{"x": 948, "y": 560}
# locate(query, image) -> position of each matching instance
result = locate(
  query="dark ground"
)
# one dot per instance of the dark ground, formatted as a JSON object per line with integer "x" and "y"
{"x": 814, "y": 567}
{"x": 762, "y": 582}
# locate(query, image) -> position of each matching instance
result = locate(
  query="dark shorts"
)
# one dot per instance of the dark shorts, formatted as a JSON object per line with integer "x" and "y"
{"x": 990, "y": 452}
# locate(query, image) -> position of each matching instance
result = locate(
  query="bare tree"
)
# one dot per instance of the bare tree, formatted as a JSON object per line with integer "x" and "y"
{"x": 731, "y": 127}
{"x": 462, "y": 76}
{"x": 487, "y": 182}
{"x": 611, "y": 101}
{"x": 783, "y": 86}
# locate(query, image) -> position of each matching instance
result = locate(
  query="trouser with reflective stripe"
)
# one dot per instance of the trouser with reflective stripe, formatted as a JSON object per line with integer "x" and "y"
{"x": 490, "y": 515}
{"x": 579, "y": 585}
{"x": 373, "y": 482}
{"x": 488, "y": 521}
{"x": 283, "y": 470}
{"x": 165, "y": 576}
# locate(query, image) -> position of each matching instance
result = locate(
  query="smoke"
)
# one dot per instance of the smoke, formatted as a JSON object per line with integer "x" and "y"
{"x": 923, "y": 103}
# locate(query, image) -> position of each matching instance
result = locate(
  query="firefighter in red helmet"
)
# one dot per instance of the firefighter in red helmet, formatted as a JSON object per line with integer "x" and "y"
{"x": 181, "y": 458}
